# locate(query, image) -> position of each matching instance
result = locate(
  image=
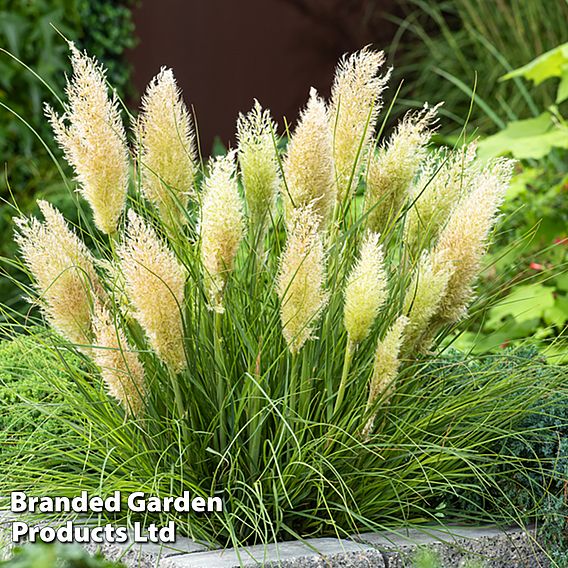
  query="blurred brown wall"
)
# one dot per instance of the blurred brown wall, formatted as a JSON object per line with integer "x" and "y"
{"x": 225, "y": 53}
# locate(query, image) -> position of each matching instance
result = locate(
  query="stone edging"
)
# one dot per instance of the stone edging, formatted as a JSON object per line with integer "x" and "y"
{"x": 513, "y": 548}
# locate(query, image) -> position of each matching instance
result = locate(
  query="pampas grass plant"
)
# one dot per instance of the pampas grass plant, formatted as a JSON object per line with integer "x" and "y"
{"x": 252, "y": 331}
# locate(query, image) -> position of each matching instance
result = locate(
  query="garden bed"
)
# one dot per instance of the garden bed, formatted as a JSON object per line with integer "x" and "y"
{"x": 281, "y": 330}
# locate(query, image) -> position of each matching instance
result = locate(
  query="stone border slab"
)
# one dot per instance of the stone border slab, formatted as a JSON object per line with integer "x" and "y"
{"x": 513, "y": 548}
{"x": 146, "y": 555}
{"x": 313, "y": 553}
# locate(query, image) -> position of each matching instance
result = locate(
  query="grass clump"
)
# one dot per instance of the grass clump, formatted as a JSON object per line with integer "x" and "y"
{"x": 280, "y": 359}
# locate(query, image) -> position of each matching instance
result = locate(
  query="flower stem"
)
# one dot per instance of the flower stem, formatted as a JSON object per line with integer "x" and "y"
{"x": 293, "y": 384}
{"x": 346, "y": 366}
{"x": 220, "y": 380}
{"x": 179, "y": 405}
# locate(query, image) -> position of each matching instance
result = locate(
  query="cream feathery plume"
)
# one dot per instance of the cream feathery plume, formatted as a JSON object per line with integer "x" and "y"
{"x": 422, "y": 300}
{"x": 258, "y": 160}
{"x": 221, "y": 226}
{"x": 392, "y": 169}
{"x": 464, "y": 239}
{"x": 308, "y": 165}
{"x": 366, "y": 290}
{"x": 301, "y": 279}
{"x": 120, "y": 367}
{"x": 355, "y": 105}
{"x": 63, "y": 270}
{"x": 167, "y": 146}
{"x": 445, "y": 178}
{"x": 155, "y": 285}
{"x": 94, "y": 140}
{"x": 385, "y": 369}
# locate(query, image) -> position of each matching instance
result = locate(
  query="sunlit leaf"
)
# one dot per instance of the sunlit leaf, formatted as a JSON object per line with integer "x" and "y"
{"x": 557, "y": 315}
{"x": 547, "y": 65}
{"x": 562, "y": 282}
{"x": 562, "y": 93}
{"x": 521, "y": 181}
{"x": 525, "y": 139}
{"x": 524, "y": 303}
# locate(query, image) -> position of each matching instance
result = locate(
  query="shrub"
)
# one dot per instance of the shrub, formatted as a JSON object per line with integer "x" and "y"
{"x": 542, "y": 488}
{"x": 32, "y": 412}
{"x": 540, "y": 443}
{"x": 56, "y": 556}
{"x": 278, "y": 359}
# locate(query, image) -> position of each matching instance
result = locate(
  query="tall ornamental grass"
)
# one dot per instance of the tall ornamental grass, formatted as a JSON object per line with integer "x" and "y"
{"x": 262, "y": 327}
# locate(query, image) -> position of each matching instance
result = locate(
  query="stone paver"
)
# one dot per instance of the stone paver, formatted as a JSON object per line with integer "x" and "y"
{"x": 514, "y": 548}
{"x": 314, "y": 553}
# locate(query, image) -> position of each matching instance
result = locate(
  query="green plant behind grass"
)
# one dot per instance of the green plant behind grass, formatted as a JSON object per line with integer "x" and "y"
{"x": 30, "y": 409}
{"x": 530, "y": 267}
{"x": 447, "y": 47}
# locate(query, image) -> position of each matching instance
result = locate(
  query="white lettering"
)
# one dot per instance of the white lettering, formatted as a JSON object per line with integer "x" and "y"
{"x": 214, "y": 504}
{"x": 198, "y": 505}
{"x": 19, "y": 529}
{"x": 18, "y": 503}
{"x": 136, "y": 502}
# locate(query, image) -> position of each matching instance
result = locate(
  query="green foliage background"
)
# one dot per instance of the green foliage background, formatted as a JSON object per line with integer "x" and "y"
{"x": 502, "y": 70}
{"x": 532, "y": 253}
{"x": 442, "y": 46}
{"x": 29, "y": 30}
